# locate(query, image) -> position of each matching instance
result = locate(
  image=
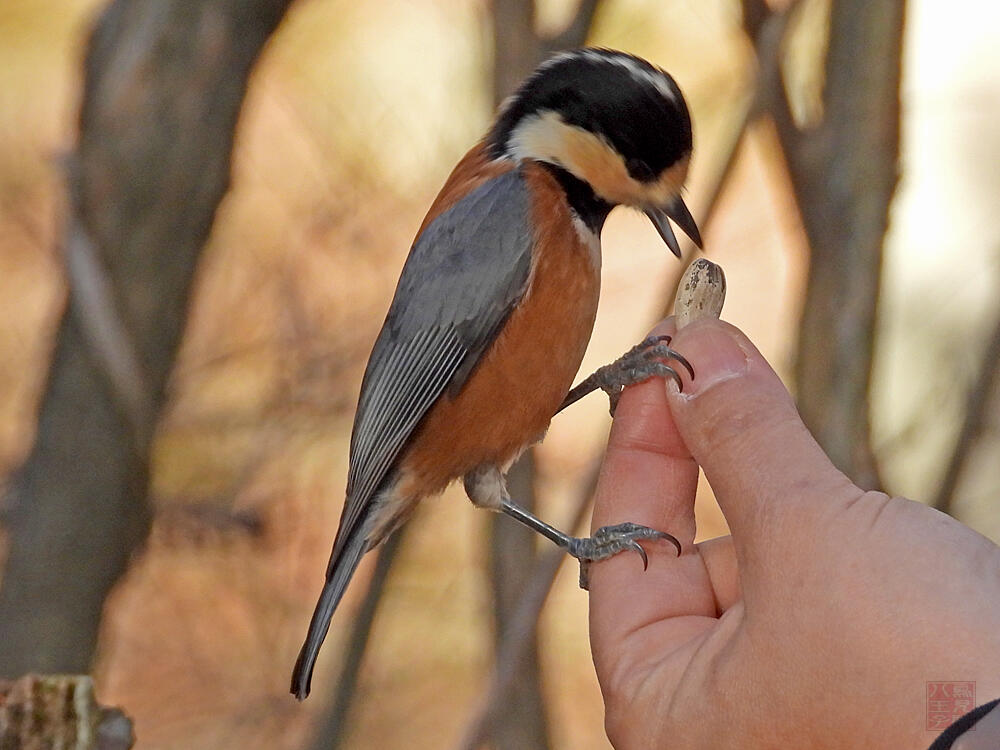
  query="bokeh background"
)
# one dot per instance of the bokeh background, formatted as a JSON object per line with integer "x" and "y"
{"x": 875, "y": 300}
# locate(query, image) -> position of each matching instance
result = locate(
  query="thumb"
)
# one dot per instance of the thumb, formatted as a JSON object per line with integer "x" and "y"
{"x": 742, "y": 427}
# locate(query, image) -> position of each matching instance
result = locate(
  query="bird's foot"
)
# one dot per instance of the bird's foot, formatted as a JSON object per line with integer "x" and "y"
{"x": 638, "y": 364}
{"x": 608, "y": 541}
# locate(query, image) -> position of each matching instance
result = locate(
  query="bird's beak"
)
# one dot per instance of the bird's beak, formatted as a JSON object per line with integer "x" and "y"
{"x": 677, "y": 211}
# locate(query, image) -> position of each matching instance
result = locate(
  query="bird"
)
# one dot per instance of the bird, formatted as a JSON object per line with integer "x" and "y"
{"x": 496, "y": 303}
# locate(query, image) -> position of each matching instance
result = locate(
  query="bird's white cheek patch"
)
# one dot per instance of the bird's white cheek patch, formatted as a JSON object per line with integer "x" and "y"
{"x": 546, "y": 137}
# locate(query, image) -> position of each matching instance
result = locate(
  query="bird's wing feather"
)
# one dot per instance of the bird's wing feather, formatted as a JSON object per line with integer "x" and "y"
{"x": 463, "y": 277}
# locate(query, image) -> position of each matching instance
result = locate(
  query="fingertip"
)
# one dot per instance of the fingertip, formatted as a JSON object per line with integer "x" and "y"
{"x": 716, "y": 352}
{"x": 742, "y": 426}
{"x": 666, "y": 327}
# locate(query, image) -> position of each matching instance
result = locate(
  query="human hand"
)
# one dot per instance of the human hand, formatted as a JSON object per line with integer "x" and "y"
{"x": 819, "y": 622}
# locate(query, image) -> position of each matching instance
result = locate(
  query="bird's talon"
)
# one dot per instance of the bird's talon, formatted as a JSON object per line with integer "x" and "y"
{"x": 662, "y": 351}
{"x": 670, "y": 538}
{"x": 609, "y": 541}
{"x": 613, "y": 398}
{"x": 640, "y": 363}
{"x": 677, "y": 356}
{"x": 634, "y": 545}
{"x": 651, "y": 341}
{"x": 672, "y": 373}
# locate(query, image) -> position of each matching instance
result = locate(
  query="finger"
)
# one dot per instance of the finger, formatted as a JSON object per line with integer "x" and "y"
{"x": 648, "y": 474}
{"x": 741, "y": 425}
{"x": 648, "y": 477}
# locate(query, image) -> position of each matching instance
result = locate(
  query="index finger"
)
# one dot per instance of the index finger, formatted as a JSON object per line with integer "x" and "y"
{"x": 648, "y": 477}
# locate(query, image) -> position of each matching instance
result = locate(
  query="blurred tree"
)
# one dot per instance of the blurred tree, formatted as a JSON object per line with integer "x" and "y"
{"x": 517, "y": 49}
{"x": 164, "y": 82}
{"x": 844, "y": 171}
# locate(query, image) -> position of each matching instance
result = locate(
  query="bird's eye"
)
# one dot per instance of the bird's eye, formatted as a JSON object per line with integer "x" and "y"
{"x": 639, "y": 170}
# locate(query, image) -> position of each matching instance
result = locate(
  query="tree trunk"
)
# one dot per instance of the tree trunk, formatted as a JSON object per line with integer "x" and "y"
{"x": 164, "y": 82}
{"x": 516, "y": 51}
{"x": 844, "y": 172}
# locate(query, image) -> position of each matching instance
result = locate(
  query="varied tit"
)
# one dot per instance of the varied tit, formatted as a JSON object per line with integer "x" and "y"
{"x": 496, "y": 303}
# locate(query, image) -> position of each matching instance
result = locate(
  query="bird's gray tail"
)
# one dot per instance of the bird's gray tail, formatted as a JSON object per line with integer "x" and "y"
{"x": 338, "y": 576}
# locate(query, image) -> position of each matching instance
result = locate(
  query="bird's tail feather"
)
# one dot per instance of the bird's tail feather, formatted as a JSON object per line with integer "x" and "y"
{"x": 336, "y": 582}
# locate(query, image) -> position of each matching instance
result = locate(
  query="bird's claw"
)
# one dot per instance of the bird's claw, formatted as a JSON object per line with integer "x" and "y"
{"x": 638, "y": 364}
{"x": 608, "y": 541}
{"x": 635, "y": 546}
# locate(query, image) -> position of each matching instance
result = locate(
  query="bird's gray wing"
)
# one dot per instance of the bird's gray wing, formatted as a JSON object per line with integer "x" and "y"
{"x": 463, "y": 277}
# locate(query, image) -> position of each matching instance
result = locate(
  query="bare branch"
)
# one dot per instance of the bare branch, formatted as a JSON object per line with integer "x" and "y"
{"x": 576, "y": 33}
{"x": 92, "y": 301}
{"x": 770, "y": 30}
{"x": 522, "y": 626}
{"x": 333, "y": 731}
{"x": 755, "y": 13}
{"x": 150, "y": 169}
{"x": 844, "y": 174}
{"x": 518, "y": 48}
{"x": 973, "y": 423}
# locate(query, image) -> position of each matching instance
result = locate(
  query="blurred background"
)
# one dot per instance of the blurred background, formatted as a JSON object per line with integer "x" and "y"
{"x": 181, "y": 351}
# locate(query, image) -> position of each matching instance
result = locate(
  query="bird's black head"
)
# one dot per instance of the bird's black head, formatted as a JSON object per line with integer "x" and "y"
{"x": 610, "y": 119}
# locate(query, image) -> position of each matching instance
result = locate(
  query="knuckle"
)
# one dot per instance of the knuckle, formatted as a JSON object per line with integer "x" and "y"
{"x": 616, "y": 723}
{"x": 623, "y": 710}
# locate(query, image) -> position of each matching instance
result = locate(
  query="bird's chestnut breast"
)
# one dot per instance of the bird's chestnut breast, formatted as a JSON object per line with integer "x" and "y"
{"x": 509, "y": 399}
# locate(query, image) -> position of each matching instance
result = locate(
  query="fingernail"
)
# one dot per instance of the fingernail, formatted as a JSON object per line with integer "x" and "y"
{"x": 716, "y": 353}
